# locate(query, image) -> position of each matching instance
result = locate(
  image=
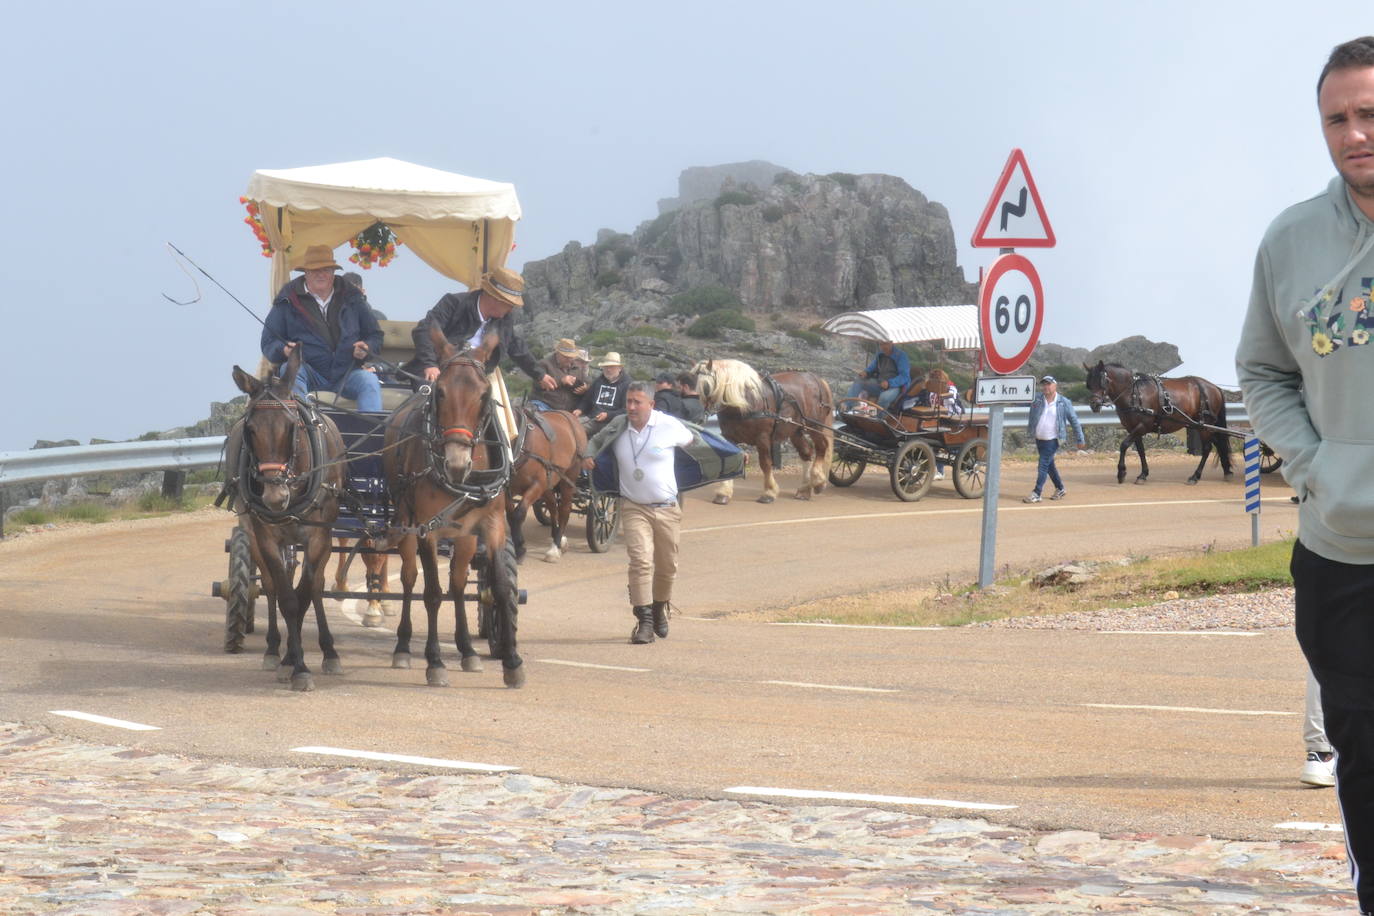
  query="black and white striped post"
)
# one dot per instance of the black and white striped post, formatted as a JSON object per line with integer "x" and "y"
{"x": 1252, "y": 486}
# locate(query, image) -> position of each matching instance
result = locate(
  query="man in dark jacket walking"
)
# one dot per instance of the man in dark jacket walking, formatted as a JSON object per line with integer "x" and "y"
{"x": 332, "y": 323}
{"x": 666, "y": 398}
{"x": 465, "y": 318}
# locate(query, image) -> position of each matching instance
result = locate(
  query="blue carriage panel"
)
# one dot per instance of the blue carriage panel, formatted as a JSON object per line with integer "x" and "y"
{"x": 363, "y": 435}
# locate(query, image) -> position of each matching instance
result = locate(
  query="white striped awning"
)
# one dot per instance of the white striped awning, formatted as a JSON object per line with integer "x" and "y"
{"x": 952, "y": 327}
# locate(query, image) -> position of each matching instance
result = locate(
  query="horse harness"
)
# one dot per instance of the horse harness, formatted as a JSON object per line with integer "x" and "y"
{"x": 550, "y": 469}
{"x": 1167, "y": 409}
{"x": 487, "y": 482}
{"x": 782, "y": 398}
{"x": 239, "y": 488}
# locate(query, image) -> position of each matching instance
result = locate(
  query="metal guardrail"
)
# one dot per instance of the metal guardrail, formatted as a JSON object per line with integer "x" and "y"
{"x": 110, "y": 458}
{"x": 163, "y": 454}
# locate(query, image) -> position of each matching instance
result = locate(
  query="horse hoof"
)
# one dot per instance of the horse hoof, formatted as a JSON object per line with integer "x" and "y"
{"x": 552, "y": 556}
{"x": 721, "y": 500}
{"x": 270, "y": 663}
{"x": 283, "y": 673}
{"x": 302, "y": 681}
{"x": 514, "y": 677}
{"x": 400, "y": 660}
{"x": 1191, "y": 481}
{"x": 1140, "y": 480}
{"x": 802, "y": 494}
{"x": 765, "y": 498}
{"x": 472, "y": 664}
{"x": 372, "y": 618}
{"x": 389, "y": 611}
{"x": 1228, "y": 475}
{"x": 436, "y": 677}
{"x": 332, "y": 666}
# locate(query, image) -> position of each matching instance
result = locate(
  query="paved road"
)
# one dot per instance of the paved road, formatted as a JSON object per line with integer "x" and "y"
{"x": 116, "y": 621}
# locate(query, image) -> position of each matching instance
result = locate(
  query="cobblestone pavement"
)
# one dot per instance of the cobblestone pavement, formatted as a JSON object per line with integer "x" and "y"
{"x": 93, "y": 829}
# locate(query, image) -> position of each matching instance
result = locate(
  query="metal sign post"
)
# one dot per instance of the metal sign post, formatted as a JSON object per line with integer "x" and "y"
{"x": 1252, "y": 487}
{"x": 987, "y": 552}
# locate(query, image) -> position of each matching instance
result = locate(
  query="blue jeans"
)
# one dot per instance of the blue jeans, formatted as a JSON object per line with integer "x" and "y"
{"x": 870, "y": 386}
{"x": 1048, "y": 448}
{"x": 359, "y": 385}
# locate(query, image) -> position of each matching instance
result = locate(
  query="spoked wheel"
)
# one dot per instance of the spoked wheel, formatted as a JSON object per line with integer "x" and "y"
{"x": 240, "y": 594}
{"x": 1269, "y": 462}
{"x": 971, "y": 469}
{"x": 913, "y": 470}
{"x": 845, "y": 472}
{"x": 603, "y": 520}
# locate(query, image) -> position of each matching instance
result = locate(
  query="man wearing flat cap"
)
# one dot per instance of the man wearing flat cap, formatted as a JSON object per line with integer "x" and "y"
{"x": 465, "y": 318}
{"x": 566, "y": 366}
{"x": 1051, "y": 418}
{"x": 330, "y": 320}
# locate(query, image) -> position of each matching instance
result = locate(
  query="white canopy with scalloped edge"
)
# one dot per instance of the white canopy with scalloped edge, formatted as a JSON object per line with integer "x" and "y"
{"x": 458, "y": 225}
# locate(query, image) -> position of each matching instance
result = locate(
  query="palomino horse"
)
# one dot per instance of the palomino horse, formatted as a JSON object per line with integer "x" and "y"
{"x": 546, "y": 468}
{"x": 1147, "y": 404}
{"x": 375, "y": 567}
{"x": 758, "y": 411}
{"x": 286, "y": 480}
{"x": 446, "y": 482}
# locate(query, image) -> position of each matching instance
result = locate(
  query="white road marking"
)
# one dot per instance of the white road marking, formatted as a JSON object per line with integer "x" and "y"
{"x": 406, "y": 758}
{"x": 977, "y": 510}
{"x": 1181, "y": 632}
{"x": 103, "y": 720}
{"x": 1309, "y": 825}
{"x": 1220, "y": 712}
{"x": 859, "y": 626}
{"x": 833, "y": 686}
{"x": 862, "y": 797}
{"x": 560, "y": 661}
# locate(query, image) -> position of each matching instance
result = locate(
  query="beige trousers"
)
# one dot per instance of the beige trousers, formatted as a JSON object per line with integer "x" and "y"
{"x": 651, "y": 536}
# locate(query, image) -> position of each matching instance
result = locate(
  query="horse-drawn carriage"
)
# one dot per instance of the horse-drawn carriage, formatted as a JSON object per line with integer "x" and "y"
{"x": 914, "y": 440}
{"x": 437, "y": 463}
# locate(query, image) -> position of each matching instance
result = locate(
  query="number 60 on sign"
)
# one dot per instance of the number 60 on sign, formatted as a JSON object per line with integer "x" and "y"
{"x": 1011, "y": 309}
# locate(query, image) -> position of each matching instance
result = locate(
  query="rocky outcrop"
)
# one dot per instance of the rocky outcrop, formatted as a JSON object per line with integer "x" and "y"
{"x": 703, "y": 182}
{"x": 816, "y": 244}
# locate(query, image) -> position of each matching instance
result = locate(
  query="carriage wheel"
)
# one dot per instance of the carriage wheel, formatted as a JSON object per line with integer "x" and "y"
{"x": 971, "y": 469}
{"x": 913, "y": 470}
{"x": 1269, "y": 462}
{"x": 845, "y": 471}
{"x": 541, "y": 512}
{"x": 239, "y": 596}
{"x": 505, "y": 602}
{"x": 603, "y": 520}
{"x": 486, "y": 601}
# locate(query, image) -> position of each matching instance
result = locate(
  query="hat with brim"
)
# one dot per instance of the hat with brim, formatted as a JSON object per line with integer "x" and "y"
{"x": 506, "y": 285}
{"x": 1047, "y": 380}
{"x": 566, "y": 347}
{"x": 318, "y": 257}
{"x": 610, "y": 359}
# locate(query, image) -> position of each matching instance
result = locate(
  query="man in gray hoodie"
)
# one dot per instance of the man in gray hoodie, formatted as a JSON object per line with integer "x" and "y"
{"x": 1307, "y": 368}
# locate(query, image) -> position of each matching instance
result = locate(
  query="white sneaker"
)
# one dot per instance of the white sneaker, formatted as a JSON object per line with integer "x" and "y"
{"x": 1319, "y": 770}
{"x": 1059, "y": 494}
{"x": 1033, "y": 498}
{"x": 939, "y": 475}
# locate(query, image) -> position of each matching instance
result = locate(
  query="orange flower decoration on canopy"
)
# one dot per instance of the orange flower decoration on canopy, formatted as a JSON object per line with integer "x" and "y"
{"x": 376, "y": 244}
{"x": 254, "y": 221}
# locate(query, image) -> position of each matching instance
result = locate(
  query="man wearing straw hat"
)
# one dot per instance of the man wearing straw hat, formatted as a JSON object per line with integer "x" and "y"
{"x": 605, "y": 397}
{"x": 566, "y": 367}
{"x": 330, "y": 320}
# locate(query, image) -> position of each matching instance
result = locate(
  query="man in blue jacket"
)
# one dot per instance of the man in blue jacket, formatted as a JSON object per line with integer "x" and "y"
{"x": 886, "y": 376}
{"x": 330, "y": 320}
{"x": 1051, "y": 415}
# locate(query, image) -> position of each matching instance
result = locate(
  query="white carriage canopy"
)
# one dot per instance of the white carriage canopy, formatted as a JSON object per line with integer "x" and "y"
{"x": 458, "y": 225}
{"x": 951, "y": 327}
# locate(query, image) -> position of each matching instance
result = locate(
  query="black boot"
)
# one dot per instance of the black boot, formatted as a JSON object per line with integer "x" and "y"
{"x": 644, "y": 626}
{"x": 660, "y": 611}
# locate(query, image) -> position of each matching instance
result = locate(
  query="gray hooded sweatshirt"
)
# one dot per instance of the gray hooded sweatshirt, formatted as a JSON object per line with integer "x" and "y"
{"x": 1306, "y": 365}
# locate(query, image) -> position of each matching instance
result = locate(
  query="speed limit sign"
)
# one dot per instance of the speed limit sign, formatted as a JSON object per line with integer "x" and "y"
{"x": 1011, "y": 308}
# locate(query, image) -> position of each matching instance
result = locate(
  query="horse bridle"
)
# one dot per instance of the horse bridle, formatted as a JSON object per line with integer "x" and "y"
{"x": 305, "y": 420}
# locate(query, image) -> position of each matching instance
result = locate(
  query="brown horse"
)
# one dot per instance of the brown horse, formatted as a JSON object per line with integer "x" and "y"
{"x": 546, "y": 468}
{"x": 759, "y": 411}
{"x": 287, "y": 475}
{"x": 1148, "y": 404}
{"x": 375, "y": 576}
{"x": 447, "y": 464}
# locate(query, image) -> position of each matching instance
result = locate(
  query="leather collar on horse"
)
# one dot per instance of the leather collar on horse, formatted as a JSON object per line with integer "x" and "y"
{"x": 238, "y": 490}
{"x": 783, "y": 400}
{"x": 525, "y": 417}
{"x": 1167, "y": 410}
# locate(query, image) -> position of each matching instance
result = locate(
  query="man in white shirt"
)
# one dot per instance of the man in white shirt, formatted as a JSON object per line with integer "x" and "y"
{"x": 643, "y": 443}
{"x": 1051, "y": 416}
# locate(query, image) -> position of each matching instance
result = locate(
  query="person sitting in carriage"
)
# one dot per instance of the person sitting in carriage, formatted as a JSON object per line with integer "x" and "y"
{"x": 886, "y": 377}
{"x": 566, "y": 367}
{"x": 465, "y": 318}
{"x": 605, "y": 397}
{"x": 331, "y": 321}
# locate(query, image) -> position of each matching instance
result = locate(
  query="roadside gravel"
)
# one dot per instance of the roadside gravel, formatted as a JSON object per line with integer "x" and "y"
{"x": 1253, "y": 611}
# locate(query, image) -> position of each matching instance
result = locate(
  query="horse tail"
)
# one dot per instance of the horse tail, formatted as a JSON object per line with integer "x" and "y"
{"x": 1223, "y": 443}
